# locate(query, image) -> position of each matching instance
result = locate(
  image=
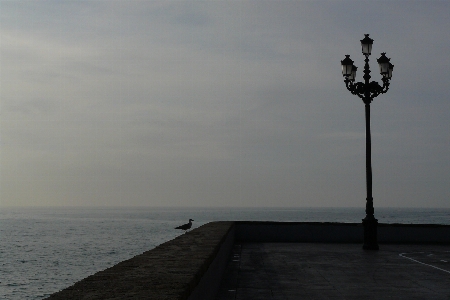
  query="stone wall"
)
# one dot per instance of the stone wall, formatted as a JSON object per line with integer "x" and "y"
{"x": 170, "y": 271}
{"x": 323, "y": 232}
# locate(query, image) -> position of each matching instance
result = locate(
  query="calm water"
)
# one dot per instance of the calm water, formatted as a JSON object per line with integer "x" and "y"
{"x": 43, "y": 250}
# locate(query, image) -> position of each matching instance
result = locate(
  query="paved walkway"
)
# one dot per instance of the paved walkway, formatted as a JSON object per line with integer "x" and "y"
{"x": 336, "y": 271}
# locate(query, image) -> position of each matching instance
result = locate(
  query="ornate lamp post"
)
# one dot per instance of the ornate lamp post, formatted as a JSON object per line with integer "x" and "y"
{"x": 367, "y": 91}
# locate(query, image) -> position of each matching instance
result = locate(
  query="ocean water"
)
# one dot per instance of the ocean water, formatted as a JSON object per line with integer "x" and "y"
{"x": 43, "y": 250}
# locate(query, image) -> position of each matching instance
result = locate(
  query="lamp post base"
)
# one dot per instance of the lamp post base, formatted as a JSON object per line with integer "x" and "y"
{"x": 370, "y": 233}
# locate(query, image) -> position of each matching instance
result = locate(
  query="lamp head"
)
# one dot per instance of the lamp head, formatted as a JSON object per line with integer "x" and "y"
{"x": 391, "y": 68}
{"x": 366, "y": 45}
{"x": 347, "y": 66}
{"x": 353, "y": 74}
{"x": 384, "y": 63}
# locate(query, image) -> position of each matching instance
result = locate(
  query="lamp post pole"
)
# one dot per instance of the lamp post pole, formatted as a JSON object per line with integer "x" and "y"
{"x": 367, "y": 91}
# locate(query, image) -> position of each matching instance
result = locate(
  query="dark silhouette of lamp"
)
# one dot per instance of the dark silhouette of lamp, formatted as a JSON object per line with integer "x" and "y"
{"x": 367, "y": 91}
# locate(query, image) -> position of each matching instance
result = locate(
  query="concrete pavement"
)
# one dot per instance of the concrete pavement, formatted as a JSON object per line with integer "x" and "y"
{"x": 336, "y": 271}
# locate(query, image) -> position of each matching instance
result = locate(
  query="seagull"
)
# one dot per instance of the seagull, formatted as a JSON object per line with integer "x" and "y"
{"x": 185, "y": 226}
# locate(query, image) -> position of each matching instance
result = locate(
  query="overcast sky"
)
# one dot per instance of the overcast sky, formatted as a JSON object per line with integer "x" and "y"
{"x": 221, "y": 103}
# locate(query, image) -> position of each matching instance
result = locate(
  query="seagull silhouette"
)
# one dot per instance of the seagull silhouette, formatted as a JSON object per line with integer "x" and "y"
{"x": 185, "y": 226}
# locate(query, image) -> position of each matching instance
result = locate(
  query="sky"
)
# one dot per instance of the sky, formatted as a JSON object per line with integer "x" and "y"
{"x": 221, "y": 103}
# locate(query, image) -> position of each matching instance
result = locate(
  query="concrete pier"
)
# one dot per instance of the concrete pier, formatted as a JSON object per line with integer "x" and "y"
{"x": 278, "y": 260}
{"x": 292, "y": 271}
{"x": 172, "y": 270}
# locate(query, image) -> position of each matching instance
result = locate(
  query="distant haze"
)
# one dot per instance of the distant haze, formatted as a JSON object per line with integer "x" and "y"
{"x": 221, "y": 103}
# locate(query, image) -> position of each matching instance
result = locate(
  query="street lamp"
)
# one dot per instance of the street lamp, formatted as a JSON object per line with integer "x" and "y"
{"x": 367, "y": 91}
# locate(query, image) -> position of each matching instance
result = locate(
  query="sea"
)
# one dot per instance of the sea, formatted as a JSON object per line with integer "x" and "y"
{"x": 44, "y": 250}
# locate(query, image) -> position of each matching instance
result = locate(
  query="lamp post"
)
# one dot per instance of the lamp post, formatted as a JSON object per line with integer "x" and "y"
{"x": 368, "y": 90}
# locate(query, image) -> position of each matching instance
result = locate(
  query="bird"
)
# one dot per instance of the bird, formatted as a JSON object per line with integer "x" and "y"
{"x": 185, "y": 226}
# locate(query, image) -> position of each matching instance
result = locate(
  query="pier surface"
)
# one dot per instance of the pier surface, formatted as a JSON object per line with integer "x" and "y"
{"x": 336, "y": 271}
{"x": 277, "y": 260}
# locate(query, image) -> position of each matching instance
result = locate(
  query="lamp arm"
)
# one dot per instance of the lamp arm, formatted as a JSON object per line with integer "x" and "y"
{"x": 375, "y": 88}
{"x": 355, "y": 88}
{"x": 385, "y": 87}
